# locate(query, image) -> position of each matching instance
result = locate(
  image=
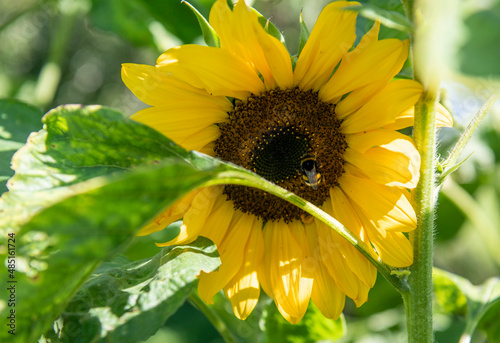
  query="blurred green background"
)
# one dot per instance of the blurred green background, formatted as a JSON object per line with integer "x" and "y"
{"x": 70, "y": 51}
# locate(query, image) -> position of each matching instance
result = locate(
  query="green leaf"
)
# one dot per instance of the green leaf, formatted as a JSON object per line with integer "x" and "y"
{"x": 70, "y": 227}
{"x": 209, "y": 35}
{"x": 479, "y": 53}
{"x": 312, "y": 328}
{"x": 391, "y": 19}
{"x": 304, "y": 34}
{"x": 17, "y": 120}
{"x": 448, "y": 298}
{"x": 452, "y": 291}
{"x": 129, "y": 302}
{"x": 78, "y": 144}
{"x": 489, "y": 323}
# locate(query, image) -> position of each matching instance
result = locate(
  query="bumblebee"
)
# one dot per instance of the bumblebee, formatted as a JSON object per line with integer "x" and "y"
{"x": 310, "y": 175}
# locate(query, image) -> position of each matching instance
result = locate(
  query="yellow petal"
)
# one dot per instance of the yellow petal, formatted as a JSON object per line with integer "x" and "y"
{"x": 200, "y": 139}
{"x": 325, "y": 294}
{"x": 179, "y": 123}
{"x": 375, "y": 62}
{"x": 362, "y": 296}
{"x": 341, "y": 209}
{"x": 208, "y": 149}
{"x": 405, "y": 118}
{"x": 387, "y": 157}
{"x": 156, "y": 87}
{"x": 370, "y": 37}
{"x": 277, "y": 58}
{"x": 334, "y": 261}
{"x": 219, "y": 220}
{"x": 173, "y": 213}
{"x": 332, "y": 37}
{"x": 291, "y": 291}
{"x": 244, "y": 290}
{"x": 358, "y": 97}
{"x": 243, "y": 36}
{"x": 384, "y": 107}
{"x": 263, "y": 271}
{"x": 443, "y": 117}
{"x": 231, "y": 251}
{"x": 393, "y": 248}
{"x": 387, "y": 207}
{"x": 195, "y": 217}
{"x": 215, "y": 70}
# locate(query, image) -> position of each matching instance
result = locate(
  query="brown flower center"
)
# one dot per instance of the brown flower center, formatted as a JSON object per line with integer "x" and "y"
{"x": 289, "y": 137}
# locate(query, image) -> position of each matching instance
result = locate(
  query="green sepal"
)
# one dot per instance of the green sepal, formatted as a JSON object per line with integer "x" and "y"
{"x": 210, "y": 37}
{"x": 304, "y": 34}
{"x": 269, "y": 26}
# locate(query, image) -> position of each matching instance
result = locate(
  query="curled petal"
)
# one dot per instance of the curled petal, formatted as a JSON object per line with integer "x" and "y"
{"x": 244, "y": 289}
{"x": 194, "y": 218}
{"x": 230, "y": 251}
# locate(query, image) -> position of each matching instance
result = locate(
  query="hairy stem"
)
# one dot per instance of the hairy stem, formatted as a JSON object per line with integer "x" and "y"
{"x": 418, "y": 302}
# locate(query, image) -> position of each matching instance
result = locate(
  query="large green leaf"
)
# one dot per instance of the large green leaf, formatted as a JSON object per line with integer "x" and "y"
{"x": 78, "y": 144}
{"x": 92, "y": 218}
{"x": 456, "y": 295}
{"x": 313, "y": 327}
{"x": 17, "y": 120}
{"x": 83, "y": 186}
{"x": 128, "y": 302}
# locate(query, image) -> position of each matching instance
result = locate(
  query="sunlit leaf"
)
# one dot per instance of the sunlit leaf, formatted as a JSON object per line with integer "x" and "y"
{"x": 304, "y": 34}
{"x": 129, "y": 302}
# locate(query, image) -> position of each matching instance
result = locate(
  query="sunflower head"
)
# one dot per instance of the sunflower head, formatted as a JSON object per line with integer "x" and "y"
{"x": 323, "y": 127}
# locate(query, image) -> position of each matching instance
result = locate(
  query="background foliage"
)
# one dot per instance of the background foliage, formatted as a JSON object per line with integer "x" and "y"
{"x": 56, "y": 52}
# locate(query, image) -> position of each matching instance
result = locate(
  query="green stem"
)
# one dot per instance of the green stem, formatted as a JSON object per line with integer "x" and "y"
{"x": 418, "y": 302}
{"x": 432, "y": 20}
{"x": 213, "y": 317}
{"x": 449, "y": 164}
{"x": 244, "y": 179}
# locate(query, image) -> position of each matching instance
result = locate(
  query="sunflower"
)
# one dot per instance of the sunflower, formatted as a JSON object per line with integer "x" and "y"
{"x": 322, "y": 125}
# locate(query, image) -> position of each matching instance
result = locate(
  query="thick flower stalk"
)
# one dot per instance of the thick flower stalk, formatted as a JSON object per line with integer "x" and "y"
{"x": 322, "y": 125}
